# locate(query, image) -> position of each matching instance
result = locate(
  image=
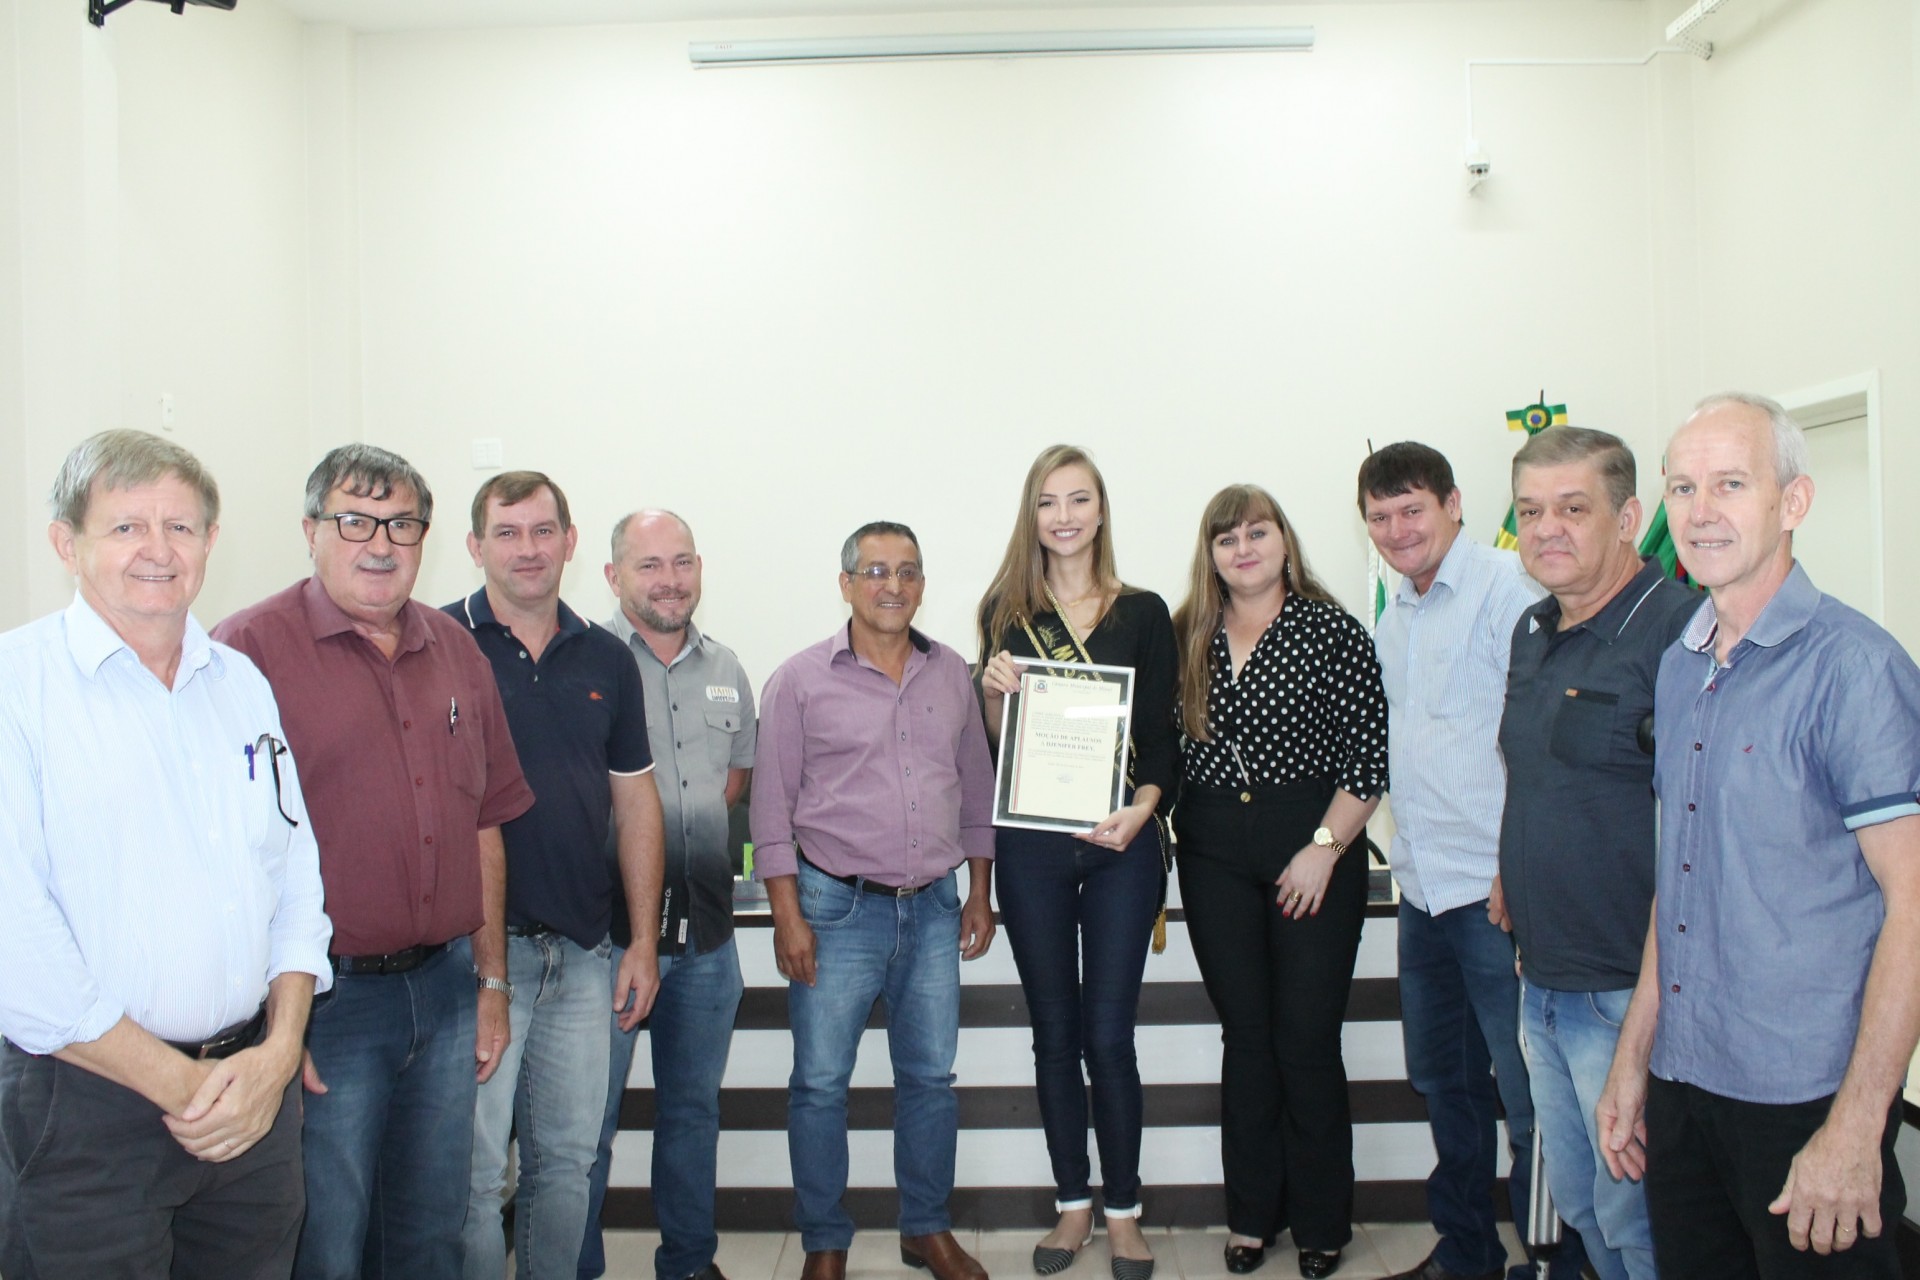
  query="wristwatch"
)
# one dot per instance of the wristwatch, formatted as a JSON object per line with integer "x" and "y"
{"x": 498, "y": 984}
{"x": 1324, "y": 838}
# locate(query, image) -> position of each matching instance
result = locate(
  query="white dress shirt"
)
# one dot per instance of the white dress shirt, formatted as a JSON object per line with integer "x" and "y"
{"x": 146, "y": 869}
{"x": 1443, "y": 659}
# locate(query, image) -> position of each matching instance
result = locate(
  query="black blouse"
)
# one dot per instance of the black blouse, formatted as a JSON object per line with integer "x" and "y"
{"x": 1136, "y": 632}
{"x": 1307, "y": 704}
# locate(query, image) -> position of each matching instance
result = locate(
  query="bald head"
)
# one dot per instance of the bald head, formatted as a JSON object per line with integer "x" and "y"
{"x": 1736, "y": 490}
{"x": 655, "y": 571}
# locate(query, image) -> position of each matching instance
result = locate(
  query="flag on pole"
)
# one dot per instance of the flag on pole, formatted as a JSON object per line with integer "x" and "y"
{"x": 1533, "y": 419}
{"x": 1659, "y": 542}
{"x": 1376, "y": 586}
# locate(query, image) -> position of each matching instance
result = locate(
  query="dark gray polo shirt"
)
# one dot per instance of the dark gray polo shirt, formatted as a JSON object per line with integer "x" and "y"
{"x": 700, "y": 721}
{"x": 1577, "y": 838}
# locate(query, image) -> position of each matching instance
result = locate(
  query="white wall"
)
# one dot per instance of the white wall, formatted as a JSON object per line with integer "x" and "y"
{"x": 787, "y": 300}
{"x": 153, "y": 198}
{"x": 1789, "y": 218}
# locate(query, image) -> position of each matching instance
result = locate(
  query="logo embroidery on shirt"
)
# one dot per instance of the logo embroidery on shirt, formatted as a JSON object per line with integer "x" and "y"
{"x": 594, "y": 694}
{"x": 722, "y": 693}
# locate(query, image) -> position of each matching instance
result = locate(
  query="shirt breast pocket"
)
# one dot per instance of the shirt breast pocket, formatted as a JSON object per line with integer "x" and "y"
{"x": 723, "y": 730}
{"x": 1591, "y": 728}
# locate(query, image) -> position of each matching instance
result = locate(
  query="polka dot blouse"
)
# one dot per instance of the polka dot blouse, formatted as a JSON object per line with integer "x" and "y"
{"x": 1307, "y": 704}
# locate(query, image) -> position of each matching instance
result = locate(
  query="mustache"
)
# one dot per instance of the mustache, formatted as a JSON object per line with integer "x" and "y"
{"x": 381, "y": 563}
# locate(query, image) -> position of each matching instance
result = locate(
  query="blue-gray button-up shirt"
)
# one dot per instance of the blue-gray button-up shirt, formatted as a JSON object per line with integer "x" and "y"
{"x": 1767, "y": 913}
{"x": 1443, "y": 661}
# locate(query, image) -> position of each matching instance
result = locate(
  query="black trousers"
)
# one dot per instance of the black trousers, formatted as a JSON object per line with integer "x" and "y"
{"x": 1280, "y": 987}
{"x": 94, "y": 1187}
{"x": 1713, "y": 1166}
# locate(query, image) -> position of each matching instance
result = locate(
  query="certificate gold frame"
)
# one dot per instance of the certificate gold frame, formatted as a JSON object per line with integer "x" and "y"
{"x": 1063, "y": 746}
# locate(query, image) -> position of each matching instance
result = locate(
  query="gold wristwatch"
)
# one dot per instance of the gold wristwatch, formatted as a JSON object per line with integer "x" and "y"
{"x": 1324, "y": 838}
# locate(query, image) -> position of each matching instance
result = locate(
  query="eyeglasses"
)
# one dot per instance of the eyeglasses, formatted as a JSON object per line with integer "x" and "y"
{"x": 272, "y": 748}
{"x": 402, "y": 531}
{"x": 906, "y": 575}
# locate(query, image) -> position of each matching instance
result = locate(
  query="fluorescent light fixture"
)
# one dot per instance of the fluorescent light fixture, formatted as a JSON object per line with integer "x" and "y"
{"x": 999, "y": 44}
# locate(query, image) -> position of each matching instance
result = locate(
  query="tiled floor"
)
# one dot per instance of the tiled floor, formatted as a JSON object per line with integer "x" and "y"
{"x": 1376, "y": 1251}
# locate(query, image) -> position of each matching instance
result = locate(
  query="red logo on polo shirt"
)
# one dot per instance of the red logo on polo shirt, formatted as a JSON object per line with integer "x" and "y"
{"x": 595, "y": 695}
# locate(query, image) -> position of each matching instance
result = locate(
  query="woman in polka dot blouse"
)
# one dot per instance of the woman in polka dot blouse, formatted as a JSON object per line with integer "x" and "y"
{"x": 1079, "y": 909}
{"x": 1285, "y": 759}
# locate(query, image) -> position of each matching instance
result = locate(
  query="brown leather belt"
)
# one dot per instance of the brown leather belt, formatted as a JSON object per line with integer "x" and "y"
{"x": 866, "y": 885}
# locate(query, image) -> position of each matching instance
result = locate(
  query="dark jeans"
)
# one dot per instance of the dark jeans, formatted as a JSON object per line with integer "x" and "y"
{"x": 1714, "y": 1164}
{"x": 389, "y": 1146}
{"x": 94, "y": 1187}
{"x": 1280, "y": 987}
{"x": 1080, "y": 919}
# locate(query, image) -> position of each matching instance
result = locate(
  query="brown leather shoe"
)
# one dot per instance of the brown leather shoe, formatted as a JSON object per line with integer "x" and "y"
{"x": 941, "y": 1254}
{"x": 826, "y": 1264}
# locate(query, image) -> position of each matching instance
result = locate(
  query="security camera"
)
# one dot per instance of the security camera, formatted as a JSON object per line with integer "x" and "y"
{"x": 1478, "y": 166}
{"x": 98, "y": 10}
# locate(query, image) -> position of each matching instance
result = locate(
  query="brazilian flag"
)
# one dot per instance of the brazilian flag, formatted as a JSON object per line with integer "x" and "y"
{"x": 1659, "y": 542}
{"x": 1533, "y": 419}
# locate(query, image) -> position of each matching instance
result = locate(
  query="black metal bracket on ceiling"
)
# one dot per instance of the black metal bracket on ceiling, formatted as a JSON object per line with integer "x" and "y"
{"x": 97, "y": 10}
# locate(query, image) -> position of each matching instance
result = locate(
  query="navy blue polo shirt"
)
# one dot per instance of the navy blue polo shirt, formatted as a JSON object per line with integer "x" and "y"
{"x": 577, "y": 716}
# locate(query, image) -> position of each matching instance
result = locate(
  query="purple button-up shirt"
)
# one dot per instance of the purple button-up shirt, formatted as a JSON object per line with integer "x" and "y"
{"x": 889, "y": 782}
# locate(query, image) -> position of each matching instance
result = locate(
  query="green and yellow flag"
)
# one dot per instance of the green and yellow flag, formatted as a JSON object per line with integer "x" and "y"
{"x": 1533, "y": 419}
{"x": 1659, "y": 542}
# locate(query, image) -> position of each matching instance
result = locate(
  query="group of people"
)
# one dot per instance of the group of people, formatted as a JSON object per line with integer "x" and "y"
{"x": 303, "y": 918}
{"x": 196, "y": 932}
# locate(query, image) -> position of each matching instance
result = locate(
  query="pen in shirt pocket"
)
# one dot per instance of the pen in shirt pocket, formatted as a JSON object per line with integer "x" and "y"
{"x": 453, "y": 715}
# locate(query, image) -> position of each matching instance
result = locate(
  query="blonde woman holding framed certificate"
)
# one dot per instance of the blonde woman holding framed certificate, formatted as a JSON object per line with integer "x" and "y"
{"x": 1079, "y": 907}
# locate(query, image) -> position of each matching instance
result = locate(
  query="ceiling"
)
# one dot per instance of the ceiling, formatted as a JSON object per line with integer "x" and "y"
{"x": 404, "y": 15}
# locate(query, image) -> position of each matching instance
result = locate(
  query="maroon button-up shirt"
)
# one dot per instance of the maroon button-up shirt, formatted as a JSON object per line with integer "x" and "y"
{"x": 402, "y": 762}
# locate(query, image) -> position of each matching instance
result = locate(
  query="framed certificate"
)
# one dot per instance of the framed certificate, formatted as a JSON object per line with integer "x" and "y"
{"x": 1063, "y": 746}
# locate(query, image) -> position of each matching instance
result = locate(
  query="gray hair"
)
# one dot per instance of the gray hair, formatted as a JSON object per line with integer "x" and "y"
{"x": 620, "y": 527}
{"x": 1558, "y": 446}
{"x": 365, "y": 471}
{"x": 125, "y": 459}
{"x": 1789, "y": 441}
{"x": 850, "y": 549}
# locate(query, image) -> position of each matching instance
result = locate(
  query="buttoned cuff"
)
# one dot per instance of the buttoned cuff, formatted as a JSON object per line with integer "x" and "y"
{"x": 977, "y": 842}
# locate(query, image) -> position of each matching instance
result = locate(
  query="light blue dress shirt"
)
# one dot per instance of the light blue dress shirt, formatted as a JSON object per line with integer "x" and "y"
{"x": 145, "y": 867}
{"x": 1767, "y": 912}
{"x": 1443, "y": 659}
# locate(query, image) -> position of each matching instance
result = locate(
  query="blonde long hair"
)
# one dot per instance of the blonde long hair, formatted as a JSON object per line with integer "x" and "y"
{"x": 1202, "y": 612}
{"x": 1018, "y": 590}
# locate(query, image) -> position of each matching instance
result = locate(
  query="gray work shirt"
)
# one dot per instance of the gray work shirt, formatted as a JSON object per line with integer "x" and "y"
{"x": 1768, "y": 913}
{"x": 1577, "y": 834}
{"x": 701, "y": 724}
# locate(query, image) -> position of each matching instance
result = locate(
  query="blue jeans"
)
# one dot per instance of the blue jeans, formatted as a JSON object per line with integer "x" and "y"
{"x": 691, "y": 1029}
{"x": 1569, "y": 1038}
{"x": 389, "y": 1146}
{"x": 866, "y": 946}
{"x": 1460, "y": 1017}
{"x": 551, "y": 1087}
{"x": 1079, "y": 919}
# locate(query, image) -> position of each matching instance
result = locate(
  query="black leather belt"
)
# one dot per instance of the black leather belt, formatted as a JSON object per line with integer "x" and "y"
{"x": 392, "y": 962}
{"x": 530, "y": 930}
{"x": 866, "y": 885}
{"x": 224, "y": 1044}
